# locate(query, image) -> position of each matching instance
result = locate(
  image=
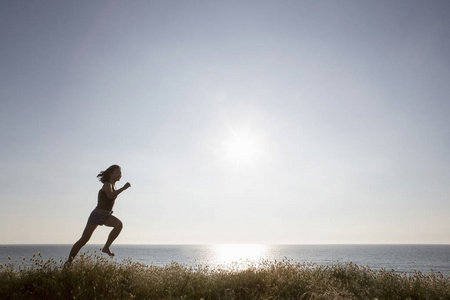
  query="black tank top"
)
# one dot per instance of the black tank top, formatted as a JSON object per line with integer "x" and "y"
{"x": 104, "y": 202}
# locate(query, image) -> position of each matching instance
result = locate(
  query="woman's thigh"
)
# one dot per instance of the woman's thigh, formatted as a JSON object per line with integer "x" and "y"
{"x": 112, "y": 221}
{"x": 87, "y": 233}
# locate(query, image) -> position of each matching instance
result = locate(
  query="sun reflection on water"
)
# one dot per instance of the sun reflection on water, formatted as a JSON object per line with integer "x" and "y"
{"x": 227, "y": 254}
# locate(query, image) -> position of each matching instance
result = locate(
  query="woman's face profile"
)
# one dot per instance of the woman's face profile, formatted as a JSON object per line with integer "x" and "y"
{"x": 116, "y": 174}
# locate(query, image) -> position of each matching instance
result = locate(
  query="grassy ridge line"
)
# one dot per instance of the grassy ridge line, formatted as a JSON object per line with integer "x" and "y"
{"x": 97, "y": 277}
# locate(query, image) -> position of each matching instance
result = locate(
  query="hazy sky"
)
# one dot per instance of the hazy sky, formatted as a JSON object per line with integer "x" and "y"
{"x": 234, "y": 121}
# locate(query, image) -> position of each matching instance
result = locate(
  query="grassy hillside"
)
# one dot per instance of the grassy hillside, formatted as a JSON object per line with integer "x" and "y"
{"x": 97, "y": 277}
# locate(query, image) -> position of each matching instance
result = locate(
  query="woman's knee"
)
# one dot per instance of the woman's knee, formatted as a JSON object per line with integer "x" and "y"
{"x": 119, "y": 225}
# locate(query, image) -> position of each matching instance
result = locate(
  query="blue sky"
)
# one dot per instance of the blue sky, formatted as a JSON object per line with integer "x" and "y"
{"x": 234, "y": 121}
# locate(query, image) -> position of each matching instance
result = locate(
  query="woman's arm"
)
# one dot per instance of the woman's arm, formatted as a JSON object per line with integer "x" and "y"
{"x": 110, "y": 193}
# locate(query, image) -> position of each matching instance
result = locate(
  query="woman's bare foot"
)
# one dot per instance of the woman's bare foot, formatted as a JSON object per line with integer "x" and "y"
{"x": 67, "y": 264}
{"x": 107, "y": 251}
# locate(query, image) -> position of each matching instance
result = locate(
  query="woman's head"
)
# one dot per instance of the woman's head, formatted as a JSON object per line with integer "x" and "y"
{"x": 113, "y": 172}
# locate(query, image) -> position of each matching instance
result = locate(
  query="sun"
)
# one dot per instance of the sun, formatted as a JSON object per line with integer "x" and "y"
{"x": 242, "y": 147}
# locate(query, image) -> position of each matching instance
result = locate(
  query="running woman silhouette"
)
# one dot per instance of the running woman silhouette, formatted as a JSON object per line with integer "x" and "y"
{"x": 102, "y": 214}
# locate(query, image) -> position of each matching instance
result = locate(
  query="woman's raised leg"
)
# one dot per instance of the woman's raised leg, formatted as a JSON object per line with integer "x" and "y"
{"x": 117, "y": 224}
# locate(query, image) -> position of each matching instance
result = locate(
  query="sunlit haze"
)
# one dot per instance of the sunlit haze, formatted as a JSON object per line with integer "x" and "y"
{"x": 236, "y": 122}
{"x": 242, "y": 253}
{"x": 243, "y": 147}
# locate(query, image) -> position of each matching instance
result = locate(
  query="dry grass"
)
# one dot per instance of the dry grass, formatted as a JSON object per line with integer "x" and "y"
{"x": 97, "y": 277}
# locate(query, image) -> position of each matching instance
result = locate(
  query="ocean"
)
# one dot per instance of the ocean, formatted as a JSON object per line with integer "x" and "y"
{"x": 400, "y": 258}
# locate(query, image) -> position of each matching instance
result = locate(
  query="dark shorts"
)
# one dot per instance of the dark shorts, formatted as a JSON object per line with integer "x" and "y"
{"x": 99, "y": 216}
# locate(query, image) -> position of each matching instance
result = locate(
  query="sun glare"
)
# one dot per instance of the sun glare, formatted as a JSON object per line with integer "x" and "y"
{"x": 226, "y": 254}
{"x": 243, "y": 148}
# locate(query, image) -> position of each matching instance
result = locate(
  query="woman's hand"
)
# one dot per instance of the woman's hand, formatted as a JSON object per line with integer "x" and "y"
{"x": 127, "y": 185}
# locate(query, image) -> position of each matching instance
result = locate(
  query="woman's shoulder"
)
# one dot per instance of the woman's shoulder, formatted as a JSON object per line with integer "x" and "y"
{"x": 107, "y": 185}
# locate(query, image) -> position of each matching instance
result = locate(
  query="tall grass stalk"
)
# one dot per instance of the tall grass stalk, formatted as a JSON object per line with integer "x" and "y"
{"x": 94, "y": 276}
